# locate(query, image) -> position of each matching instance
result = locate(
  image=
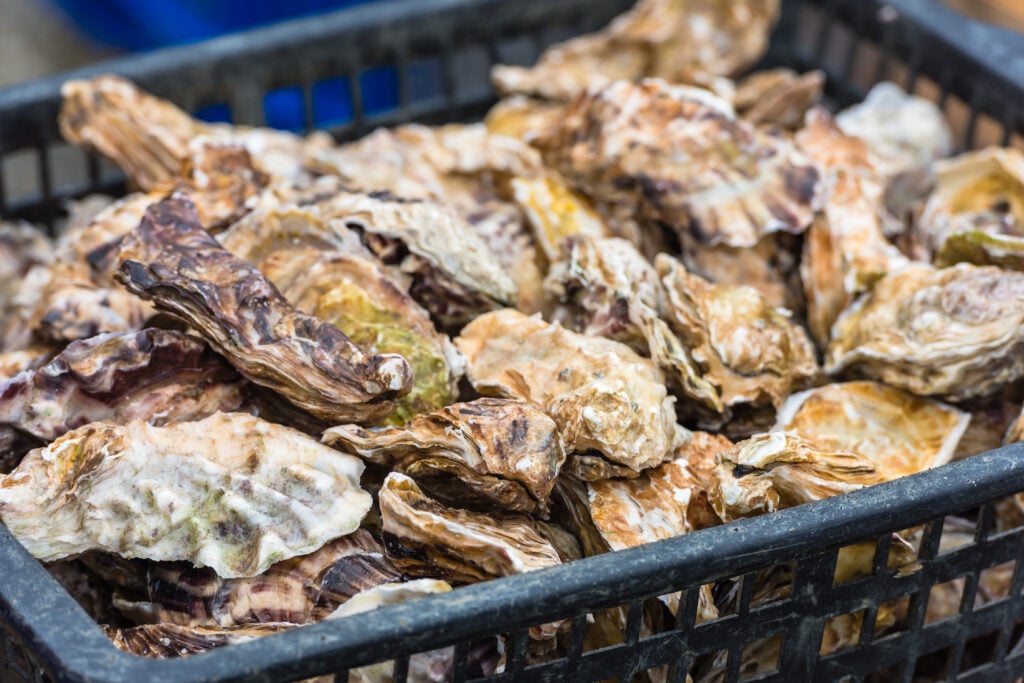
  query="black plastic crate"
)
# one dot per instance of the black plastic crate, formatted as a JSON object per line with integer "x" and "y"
{"x": 440, "y": 50}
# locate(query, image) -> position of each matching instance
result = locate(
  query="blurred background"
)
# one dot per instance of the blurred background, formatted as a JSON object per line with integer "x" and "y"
{"x": 40, "y": 37}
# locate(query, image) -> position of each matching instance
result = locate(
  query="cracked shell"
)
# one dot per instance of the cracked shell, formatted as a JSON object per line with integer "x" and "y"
{"x": 231, "y": 492}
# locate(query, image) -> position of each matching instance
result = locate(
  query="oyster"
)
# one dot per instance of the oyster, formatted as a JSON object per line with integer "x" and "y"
{"x": 976, "y": 212}
{"x": 425, "y": 538}
{"x": 521, "y": 117}
{"x": 623, "y": 143}
{"x": 1015, "y": 432}
{"x": 172, "y": 261}
{"x": 753, "y": 354}
{"x": 357, "y": 295}
{"x": 152, "y": 140}
{"x": 454, "y": 274}
{"x": 686, "y": 42}
{"x": 163, "y": 641}
{"x": 904, "y": 134}
{"x": 389, "y": 594}
{"x": 21, "y": 248}
{"x": 90, "y": 591}
{"x": 264, "y": 231}
{"x": 778, "y": 97}
{"x": 899, "y": 433}
{"x": 845, "y": 250}
{"x": 615, "y": 293}
{"x": 491, "y": 451}
{"x": 300, "y": 590}
{"x": 154, "y": 375}
{"x": 610, "y": 405}
{"x": 772, "y": 471}
{"x": 231, "y": 492}
{"x": 957, "y": 333}
{"x": 990, "y": 420}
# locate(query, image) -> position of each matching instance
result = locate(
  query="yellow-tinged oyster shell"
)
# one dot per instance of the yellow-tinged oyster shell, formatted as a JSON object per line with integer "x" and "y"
{"x": 506, "y": 452}
{"x": 231, "y": 492}
{"x": 976, "y": 212}
{"x": 679, "y": 155}
{"x": 608, "y": 402}
{"x": 956, "y": 333}
{"x": 769, "y": 472}
{"x": 845, "y": 250}
{"x": 521, "y": 117}
{"x": 900, "y": 433}
{"x": 779, "y": 97}
{"x": 358, "y": 296}
{"x": 424, "y": 537}
{"x": 555, "y": 212}
{"x": 751, "y": 352}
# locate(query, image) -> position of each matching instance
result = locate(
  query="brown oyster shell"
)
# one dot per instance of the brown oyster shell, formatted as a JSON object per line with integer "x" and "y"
{"x": 845, "y": 249}
{"x": 623, "y": 143}
{"x": 159, "y": 376}
{"x": 172, "y": 261}
{"x": 752, "y": 353}
{"x": 955, "y": 333}
{"x": 900, "y": 433}
{"x": 772, "y": 471}
{"x": 165, "y": 641}
{"x": 778, "y": 97}
{"x": 608, "y": 402}
{"x": 426, "y": 538}
{"x": 507, "y": 453}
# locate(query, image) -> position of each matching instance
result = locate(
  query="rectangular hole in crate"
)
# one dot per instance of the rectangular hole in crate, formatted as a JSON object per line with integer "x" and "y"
{"x": 933, "y": 666}
{"x": 68, "y": 167}
{"x": 841, "y": 632}
{"x": 761, "y": 657}
{"x": 1016, "y": 646}
{"x": 891, "y": 617}
{"x": 379, "y": 89}
{"x": 332, "y": 102}
{"x": 944, "y": 600}
{"x": 425, "y": 78}
{"x": 837, "y": 47}
{"x": 219, "y": 112}
{"x": 285, "y": 108}
{"x": 994, "y": 583}
{"x": 958, "y": 113}
{"x": 858, "y": 560}
{"x": 519, "y": 51}
{"x": 1009, "y": 514}
{"x": 472, "y": 65}
{"x": 21, "y": 175}
{"x": 865, "y": 66}
{"x": 987, "y": 131}
{"x": 979, "y": 651}
{"x": 887, "y": 675}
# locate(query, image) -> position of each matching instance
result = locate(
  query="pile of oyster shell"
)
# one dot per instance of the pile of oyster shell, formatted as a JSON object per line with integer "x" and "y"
{"x": 286, "y": 380}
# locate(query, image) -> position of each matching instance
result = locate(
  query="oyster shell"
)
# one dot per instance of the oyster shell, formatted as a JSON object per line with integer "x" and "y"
{"x": 611, "y": 406}
{"x": 1015, "y": 432}
{"x": 21, "y": 248}
{"x": 151, "y": 139}
{"x": 772, "y": 471}
{"x": 425, "y": 538}
{"x": 778, "y": 97}
{"x": 845, "y": 250}
{"x": 753, "y": 354}
{"x": 454, "y": 274}
{"x": 555, "y": 212}
{"x": 990, "y": 420}
{"x": 390, "y": 594}
{"x": 231, "y": 492}
{"x": 264, "y": 231}
{"x": 901, "y": 434}
{"x": 976, "y": 212}
{"x": 497, "y": 452}
{"x": 522, "y": 117}
{"x": 300, "y": 590}
{"x": 164, "y": 641}
{"x": 904, "y": 135}
{"x": 623, "y": 143}
{"x": 154, "y": 375}
{"x": 956, "y": 333}
{"x": 172, "y": 261}
{"x": 359, "y": 296}
{"x": 614, "y": 292}
{"x": 686, "y": 42}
